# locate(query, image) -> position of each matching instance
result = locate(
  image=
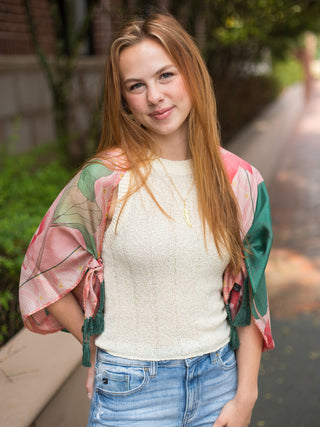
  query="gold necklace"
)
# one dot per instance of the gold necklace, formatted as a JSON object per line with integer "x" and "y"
{"x": 185, "y": 209}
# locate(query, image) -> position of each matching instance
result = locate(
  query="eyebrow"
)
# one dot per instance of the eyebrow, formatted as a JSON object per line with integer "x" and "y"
{"x": 161, "y": 70}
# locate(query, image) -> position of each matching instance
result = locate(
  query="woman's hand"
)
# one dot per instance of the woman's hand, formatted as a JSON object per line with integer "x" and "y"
{"x": 91, "y": 371}
{"x": 235, "y": 413}
{"x": 90, "y": 381}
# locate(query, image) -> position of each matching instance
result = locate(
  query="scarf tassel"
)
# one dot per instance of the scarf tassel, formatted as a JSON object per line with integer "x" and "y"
{"x": 87, "y": 330}
{"x": 92, "y": 326}
{"x": 234, "y": 337}
{"x": 242, "y": 318}
{"x": 98, "y": 321}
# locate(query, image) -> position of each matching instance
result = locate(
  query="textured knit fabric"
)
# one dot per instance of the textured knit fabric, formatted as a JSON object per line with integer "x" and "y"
{"x": 163, "y": 294}
{"x": 65, "y": 252}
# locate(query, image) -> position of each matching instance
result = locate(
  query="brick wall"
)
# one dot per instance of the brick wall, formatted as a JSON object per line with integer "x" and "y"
{"x": 25, "y": 104}
{"x": 102, "y": 27}
{"x": 14, "y": 31}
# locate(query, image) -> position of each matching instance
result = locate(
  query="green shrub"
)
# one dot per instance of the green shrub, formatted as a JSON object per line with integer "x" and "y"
{"x": 28, "y": 185}
{"x": 287, "y": 71}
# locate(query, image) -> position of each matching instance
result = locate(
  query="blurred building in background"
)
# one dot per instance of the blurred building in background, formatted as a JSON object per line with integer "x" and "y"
{"x": 25, "y": 103}
{"x": 15, "y": 36}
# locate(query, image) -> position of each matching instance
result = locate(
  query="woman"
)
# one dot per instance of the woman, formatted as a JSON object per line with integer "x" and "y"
{"x": 151, "y": 231}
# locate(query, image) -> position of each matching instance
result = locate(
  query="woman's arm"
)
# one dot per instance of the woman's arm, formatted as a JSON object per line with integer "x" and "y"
{"x": 248, "y": 360}
{"x": 237, "y": 412}
{"x": 70, "y": 315}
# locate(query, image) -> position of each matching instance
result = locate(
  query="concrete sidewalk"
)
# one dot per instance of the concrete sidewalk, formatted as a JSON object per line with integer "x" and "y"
{"x": 284, "y": 144}
{"x": 263, "y": 141}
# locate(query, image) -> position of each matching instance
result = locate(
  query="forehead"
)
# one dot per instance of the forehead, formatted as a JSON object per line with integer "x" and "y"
{"x": 142, "y": 59}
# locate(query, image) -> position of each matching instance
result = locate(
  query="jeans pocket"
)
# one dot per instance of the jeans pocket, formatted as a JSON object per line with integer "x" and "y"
{"x": 227, "y": 358}
{"x": 117, "y": 380}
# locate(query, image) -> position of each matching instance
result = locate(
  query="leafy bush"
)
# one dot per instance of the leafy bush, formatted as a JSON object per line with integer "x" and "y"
{"x": 287, "y": 71}
{"x": 28, "y": 185}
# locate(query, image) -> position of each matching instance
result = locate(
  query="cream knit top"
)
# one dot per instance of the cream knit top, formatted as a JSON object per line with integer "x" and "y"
{"x": 163, "y": 286}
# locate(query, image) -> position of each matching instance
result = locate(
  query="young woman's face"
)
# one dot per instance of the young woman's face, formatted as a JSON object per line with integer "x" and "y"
{"x": 155, "y": 91}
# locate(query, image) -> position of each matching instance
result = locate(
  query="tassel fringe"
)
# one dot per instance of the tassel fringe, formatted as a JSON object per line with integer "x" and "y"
{"x": 243, "y": 317}
{"x": 87, "y": 330}
{"x": 98, "y": 321}
{"x": 86, "y": 355}
{"x": 234, "y": 337}
{"x": 92, "y": 326}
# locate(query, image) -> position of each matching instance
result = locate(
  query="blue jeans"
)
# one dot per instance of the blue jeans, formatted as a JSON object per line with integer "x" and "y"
{"x": 168, "y": 393}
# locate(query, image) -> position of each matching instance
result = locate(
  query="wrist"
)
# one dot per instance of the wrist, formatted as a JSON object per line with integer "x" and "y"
{"x": 92, "y": 342}
{"x": 247, "y": 397}
{"x": 92, "y": 350}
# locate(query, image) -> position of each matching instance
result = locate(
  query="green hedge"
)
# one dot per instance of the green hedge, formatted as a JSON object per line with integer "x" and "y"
{"x": 287, "y": 71}
{"x": 28, "y": 185}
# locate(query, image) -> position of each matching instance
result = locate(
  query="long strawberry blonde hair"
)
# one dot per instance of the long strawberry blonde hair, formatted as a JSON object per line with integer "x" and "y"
{"x": 217, "y": 204}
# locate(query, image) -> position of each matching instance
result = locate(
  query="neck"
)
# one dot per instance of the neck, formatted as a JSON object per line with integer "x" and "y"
{"x": 173, "y": 147}
{"x": 172, "y": 153}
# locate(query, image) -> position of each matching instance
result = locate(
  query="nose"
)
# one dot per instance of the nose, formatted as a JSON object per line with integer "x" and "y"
{"x": 154, "y": 95}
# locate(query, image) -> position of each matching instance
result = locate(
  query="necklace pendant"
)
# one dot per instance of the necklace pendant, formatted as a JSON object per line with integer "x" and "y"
{"x": 186, "y": 217}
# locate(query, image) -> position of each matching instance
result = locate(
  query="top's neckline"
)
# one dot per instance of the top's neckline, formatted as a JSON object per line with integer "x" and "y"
{"x": 176, "y": 167}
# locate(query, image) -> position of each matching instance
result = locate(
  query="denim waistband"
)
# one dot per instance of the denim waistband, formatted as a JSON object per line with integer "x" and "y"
{"x": 106, "y": 357}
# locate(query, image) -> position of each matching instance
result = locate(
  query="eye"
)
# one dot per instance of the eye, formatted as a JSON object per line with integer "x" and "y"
{"x": 166, "y": 75}
{"x": 135, "y": 86}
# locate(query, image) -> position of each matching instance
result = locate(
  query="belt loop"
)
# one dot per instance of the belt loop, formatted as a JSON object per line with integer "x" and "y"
{"x": 153, "y": 368}
{"x": 213, "y": 357}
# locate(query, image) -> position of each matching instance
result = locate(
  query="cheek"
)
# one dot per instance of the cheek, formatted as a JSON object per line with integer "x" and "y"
{"x": 181, "y": 93}
{"x": 135, "y": 104}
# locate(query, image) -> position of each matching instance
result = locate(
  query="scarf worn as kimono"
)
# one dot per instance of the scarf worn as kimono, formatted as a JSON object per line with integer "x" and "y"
{"x": 65, "y": 253}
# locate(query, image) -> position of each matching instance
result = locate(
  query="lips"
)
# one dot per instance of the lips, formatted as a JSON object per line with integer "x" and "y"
{"x": 162, "y": 114}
